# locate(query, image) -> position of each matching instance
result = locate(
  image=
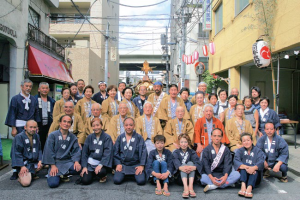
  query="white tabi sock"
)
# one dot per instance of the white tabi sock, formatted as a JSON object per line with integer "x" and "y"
{"x": 212, "y": 187}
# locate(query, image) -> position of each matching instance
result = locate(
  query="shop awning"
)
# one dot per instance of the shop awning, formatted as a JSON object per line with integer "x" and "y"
{"x": 41, "y": 64}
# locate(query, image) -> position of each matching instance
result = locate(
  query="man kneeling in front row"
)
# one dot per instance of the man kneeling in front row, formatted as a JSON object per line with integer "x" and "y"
{"x": 62, "y": 153}
{"x": 217, "y": 164}
{"x": 26, "y": 153}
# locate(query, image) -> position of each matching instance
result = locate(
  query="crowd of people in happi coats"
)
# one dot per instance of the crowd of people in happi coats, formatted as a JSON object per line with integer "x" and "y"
{"x": 161, "y": 138}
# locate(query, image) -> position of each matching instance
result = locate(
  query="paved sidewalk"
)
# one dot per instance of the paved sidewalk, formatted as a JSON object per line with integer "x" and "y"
{"x": 294, "y": 159}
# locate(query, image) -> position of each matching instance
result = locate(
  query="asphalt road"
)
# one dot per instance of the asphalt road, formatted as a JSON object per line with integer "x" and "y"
{"x": 270, "y": 188}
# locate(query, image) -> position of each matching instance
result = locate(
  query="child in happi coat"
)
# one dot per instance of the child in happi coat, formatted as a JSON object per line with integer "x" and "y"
{"x": 160, "y": 165}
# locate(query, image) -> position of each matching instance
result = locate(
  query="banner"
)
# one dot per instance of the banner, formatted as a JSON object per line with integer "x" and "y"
{"x": 207, "y": 15}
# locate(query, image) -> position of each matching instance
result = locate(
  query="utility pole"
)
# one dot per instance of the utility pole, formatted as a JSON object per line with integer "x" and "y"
{"x": 106, "y": 54}
{"x": 167, "y": 61}
{"x": 183, "y": 41}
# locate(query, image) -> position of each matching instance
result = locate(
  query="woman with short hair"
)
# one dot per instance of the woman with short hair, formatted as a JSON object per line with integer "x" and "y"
{"x": 249, "y": 161}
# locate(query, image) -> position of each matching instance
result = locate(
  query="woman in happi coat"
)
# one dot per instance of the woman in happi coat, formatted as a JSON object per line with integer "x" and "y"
{"x": 229, "y": 112}
{"x": 218, "y": 110}
{"x": 110, "y": 105}
{"x": 236, "y": 126}
{"x": 276, "y": 152}
{"x": 186, "y": 164}
{"x": 251, "y": 114}
{"x": 73, "y": 91}
{"x": 130, "y": 155}
{"x": 267, "y": 114}
{"x": 148, "y": 126}
{"x": 59, "y": 105}
{"x": 196, "y": 111}
{"x": 249, "y": 161}
{"x": 133, "y": 111}
{"x": 97, "y": 154}
{"x": 96, "y": 113}
{"x": 84, "y": 105}
{"x": 178, "y": 126}
{"x": 223, "y": 94}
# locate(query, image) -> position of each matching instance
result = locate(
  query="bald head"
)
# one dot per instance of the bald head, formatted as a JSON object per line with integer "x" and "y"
{"x": 30, "y": 127}
{"x": 69, "y": 108}
{"x": 96, "y": 109}
{"x": 123, "y": 109}
{"x": 234, "y": 91}
{"x": 180, "y": 112}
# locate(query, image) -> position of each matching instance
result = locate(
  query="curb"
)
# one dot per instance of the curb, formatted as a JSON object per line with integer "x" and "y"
{"x": 294, "y": 170}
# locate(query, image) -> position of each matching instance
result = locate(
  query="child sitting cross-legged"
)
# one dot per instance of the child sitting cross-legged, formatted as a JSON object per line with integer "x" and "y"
{"x": 159, "y": 165}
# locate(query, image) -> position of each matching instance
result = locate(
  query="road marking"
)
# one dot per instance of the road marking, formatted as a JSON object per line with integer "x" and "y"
{"x": 282, "y": 191}
{"x": 275, "y": 187}
{"x": 6, "y": 175}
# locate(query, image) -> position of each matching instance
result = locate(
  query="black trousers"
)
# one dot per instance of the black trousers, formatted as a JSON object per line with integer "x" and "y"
{"x": 43, "y": 133}
{"x": 87, "y": 179}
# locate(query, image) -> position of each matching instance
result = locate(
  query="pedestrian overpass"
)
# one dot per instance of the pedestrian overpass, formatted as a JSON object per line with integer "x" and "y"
{"x": 134, "y": 62}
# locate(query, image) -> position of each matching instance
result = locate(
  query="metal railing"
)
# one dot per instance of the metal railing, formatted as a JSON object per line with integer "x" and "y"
{"x": 46, "y": 41}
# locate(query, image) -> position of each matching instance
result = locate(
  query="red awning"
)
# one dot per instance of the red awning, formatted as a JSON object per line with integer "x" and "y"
{"x": 41, "y": 64}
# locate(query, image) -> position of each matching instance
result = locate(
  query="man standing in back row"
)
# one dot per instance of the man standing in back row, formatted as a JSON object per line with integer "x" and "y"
{"x": 100, "y": 96}
{"x": 156, "y": 97}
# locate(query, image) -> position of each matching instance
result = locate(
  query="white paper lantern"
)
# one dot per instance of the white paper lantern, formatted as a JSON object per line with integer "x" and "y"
{"x": 261, "y": 54}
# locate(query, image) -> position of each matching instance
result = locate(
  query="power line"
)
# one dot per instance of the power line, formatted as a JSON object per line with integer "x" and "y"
{"x": 12, "y": 9}
{"x": 138, "y": 6}
{"x": 76, "y": 7}
{"x": 82, "y": 22}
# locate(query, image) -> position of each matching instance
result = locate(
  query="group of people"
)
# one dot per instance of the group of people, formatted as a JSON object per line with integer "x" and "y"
{"x": 162, "y": 137}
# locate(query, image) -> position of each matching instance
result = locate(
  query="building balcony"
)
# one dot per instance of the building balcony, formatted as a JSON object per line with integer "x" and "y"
{"x": 46, "y": 41}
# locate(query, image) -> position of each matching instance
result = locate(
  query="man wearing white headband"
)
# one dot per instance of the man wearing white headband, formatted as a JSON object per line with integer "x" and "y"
{"x": 100, "y": 96}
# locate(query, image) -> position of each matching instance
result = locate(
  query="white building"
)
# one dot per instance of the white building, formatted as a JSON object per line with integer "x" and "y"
{"x": 15, "y": 17}
{"x": 196, "y": 38}
{"x": 85, "y": 42}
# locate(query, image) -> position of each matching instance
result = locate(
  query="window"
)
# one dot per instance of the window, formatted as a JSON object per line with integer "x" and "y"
{"x": 240, "y": 5}
{"x": 33, "y": 18}
{"x": 201, "y": 33}
{"x": 219, "y": 19}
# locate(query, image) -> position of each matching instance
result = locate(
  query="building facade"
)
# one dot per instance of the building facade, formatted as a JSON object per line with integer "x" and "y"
{"x": 15, "y": 18}
{"x": 84, "y": 41}
{"x": 235, "y": 29}
{"x": 195, "y": 39}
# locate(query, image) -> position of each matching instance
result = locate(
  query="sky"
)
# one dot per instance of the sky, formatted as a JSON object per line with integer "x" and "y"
{"x": 142, "y": 40}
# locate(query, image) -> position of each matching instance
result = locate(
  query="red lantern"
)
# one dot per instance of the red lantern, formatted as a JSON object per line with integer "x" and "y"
{"x": 185, "y": 58}
{"x": 189, "y": 60}
{"x": 193, "y": 59}
{"x": 204, "y": 49}
{"x": 212, "y": 48}
{"x": 261, "y": 54}
{"x": 196, "y": 55}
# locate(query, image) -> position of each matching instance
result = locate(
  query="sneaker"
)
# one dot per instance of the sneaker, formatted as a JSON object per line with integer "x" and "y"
{"x": 14, "y": 176}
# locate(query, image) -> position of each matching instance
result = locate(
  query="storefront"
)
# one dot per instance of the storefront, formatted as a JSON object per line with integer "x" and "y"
{"x": 43, "y": 67}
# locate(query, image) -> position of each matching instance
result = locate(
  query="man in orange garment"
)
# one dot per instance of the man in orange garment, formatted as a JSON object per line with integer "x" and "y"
{"x": 203, "y": 128}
